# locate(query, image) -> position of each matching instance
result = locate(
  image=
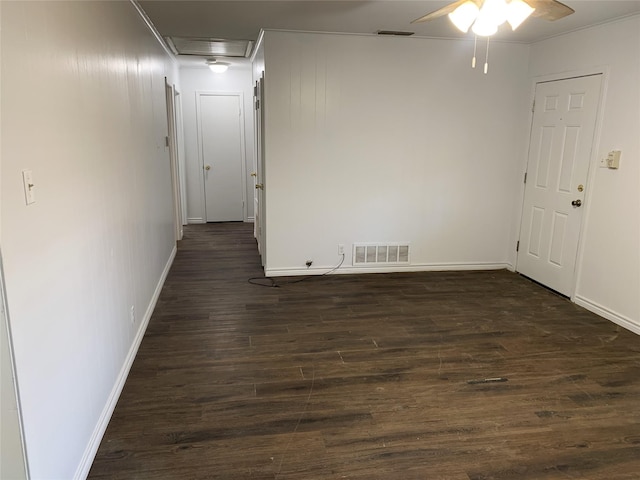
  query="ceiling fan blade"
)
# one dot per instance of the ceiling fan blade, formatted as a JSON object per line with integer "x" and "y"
{"x": 440, "y": 12}
{"x": 550, "y": 9}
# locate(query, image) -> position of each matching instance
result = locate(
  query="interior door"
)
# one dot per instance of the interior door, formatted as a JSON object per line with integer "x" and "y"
{"x": 259, "y": 206}
{"x": 172, "y": 145}
{"x": 220, "y": 132}
{"x": 562, "y": 136}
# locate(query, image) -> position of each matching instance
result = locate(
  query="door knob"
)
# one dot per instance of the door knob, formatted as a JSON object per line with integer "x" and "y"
{"x": 576, "y": 203}
{"x": 260, "y": 186}
{"x": 207, "y": 167}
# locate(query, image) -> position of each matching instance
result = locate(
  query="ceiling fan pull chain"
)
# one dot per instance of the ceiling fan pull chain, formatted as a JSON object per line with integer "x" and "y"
{"x": 475, "y": 45}
{"x": 486, "y": 60}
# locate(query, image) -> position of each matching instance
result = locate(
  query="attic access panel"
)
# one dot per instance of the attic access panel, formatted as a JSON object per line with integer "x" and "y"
{"x": 210, "y": 47}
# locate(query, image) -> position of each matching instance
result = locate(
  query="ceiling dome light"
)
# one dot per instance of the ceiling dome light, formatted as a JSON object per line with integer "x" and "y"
{"x": 463, "y": 16}
{"x": 217, "y": 67}
{"x": 517, "y": 12}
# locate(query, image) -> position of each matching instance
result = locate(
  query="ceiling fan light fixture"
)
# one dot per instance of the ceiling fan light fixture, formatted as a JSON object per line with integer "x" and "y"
{"x": 464, "y": 16}
{"x": 493, "y": 11}
{"x": 217, "y": 67}
{"x": 517, "y": 12}
{"x": 484, "y": 27}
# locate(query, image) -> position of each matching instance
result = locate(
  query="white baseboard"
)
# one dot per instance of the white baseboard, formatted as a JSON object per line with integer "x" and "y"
{"x": 195, "y": 220}
{"x": 432, "y": 267}
{"x": 94, "y": 443}
{"x": 617, "y": 318}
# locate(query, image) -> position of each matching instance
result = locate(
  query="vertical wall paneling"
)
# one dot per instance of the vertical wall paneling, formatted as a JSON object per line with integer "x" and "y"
{"x": 384, "y": 140}
{"x": 83, "y": 108}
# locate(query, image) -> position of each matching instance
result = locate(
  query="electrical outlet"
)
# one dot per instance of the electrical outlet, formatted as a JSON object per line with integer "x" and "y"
{"x": 340, "y": 249}
{"x": 132, "y": 314}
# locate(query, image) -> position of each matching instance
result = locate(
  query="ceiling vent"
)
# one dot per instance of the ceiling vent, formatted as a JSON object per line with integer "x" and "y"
{"x": 397, "y": 33}
{"x": 380, "y": 253}
{"x": 207, "y": 47}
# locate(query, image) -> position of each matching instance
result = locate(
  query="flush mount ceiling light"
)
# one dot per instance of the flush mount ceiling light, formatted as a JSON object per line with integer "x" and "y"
{"x": 485, "y": 16}
{"x": 217, "y": 66}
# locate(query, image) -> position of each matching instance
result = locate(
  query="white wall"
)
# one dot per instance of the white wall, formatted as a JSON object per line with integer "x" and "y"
{"x": 83, "y": 107}
{"x": 372, "y": 139}
{"x": 609, "y": 260}
{"x": 237, "y": 78}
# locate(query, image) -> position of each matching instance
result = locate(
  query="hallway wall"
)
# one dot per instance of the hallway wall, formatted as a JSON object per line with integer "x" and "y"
{"x": 83, "y": 108}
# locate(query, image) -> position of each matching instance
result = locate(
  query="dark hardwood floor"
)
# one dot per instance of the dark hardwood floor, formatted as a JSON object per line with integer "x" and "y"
{"x": 370, "y": 377}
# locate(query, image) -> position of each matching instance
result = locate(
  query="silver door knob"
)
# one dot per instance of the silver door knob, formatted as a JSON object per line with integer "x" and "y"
{"x": 207, "y": 167}
{"x": 576, "y": 203}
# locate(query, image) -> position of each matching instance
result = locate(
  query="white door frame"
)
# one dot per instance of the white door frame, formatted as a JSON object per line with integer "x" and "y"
{"x": 172, "y": 145}
{"x": 259, "y": 194}
{"x": 18, "y": 466}
{"x": 243, "y": 161}
{"x": 593, "y": 159}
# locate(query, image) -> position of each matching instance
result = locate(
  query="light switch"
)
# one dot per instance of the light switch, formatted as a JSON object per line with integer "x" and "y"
{"x": 29, "y": 187}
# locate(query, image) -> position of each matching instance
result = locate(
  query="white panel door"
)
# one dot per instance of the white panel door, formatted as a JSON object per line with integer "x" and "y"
{"x": 222, "y": 156}
{"x": 562, "y": 135}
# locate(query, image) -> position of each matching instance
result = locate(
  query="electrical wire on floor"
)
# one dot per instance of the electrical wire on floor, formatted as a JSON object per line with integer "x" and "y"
{"x": 272, "y": 282}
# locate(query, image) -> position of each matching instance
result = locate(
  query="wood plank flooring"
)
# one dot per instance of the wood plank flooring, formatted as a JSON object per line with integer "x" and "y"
{"x": 370, "y": 377}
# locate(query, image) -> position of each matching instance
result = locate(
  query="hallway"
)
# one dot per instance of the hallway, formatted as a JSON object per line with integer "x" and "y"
{"x": 370, "y": 377}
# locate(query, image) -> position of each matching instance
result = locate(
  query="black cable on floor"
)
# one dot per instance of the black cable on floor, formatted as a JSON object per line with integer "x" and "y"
{"x": 272, "y": 282}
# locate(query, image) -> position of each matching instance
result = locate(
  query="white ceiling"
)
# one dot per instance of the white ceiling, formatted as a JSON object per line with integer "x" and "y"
{"x": 243, "y": 19}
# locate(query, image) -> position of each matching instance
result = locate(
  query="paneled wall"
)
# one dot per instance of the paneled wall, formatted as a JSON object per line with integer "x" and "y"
{"x": 83, "y": 108}
{"x": 372, "y": 139}
{"x": 609, "y": 259}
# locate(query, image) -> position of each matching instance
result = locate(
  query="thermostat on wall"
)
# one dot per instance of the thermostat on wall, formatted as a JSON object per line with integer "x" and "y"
{"x": 613, "y": 159}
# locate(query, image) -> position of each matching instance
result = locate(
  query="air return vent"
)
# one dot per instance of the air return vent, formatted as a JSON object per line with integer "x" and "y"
{"x": 209, "y": 46}
{"x": 380, "y": 254}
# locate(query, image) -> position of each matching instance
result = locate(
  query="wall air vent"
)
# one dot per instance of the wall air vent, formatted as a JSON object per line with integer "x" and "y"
{"x": 365, "y": 254}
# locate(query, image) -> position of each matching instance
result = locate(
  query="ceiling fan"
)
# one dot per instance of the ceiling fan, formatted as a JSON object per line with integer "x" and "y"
{"x": 484, "y": 14}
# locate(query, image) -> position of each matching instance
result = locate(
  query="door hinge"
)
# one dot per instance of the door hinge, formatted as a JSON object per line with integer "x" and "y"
{"x": 166, "y": 141}
{"x": 255, "y": 91}
{"x": 257, "y": 104}
{"x": 525, "y": 177}
{"x": 518, "y": 246}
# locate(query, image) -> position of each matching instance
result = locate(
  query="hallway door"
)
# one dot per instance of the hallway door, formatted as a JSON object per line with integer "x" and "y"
{"x": 221, "y": 137}
{"x": 259, "y": 227}
{"x": 562, "y": 135}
